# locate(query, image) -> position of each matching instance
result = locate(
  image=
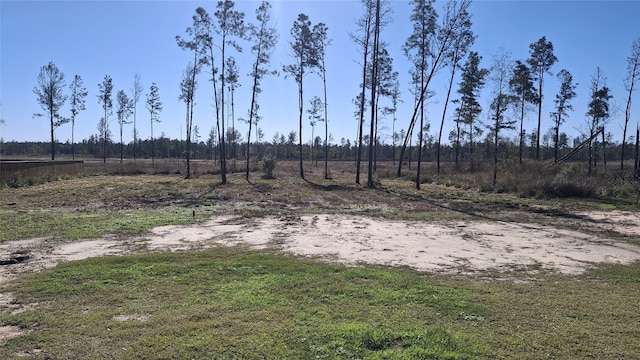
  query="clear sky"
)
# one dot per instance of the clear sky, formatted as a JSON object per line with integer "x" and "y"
{"x": 121, "y": 38}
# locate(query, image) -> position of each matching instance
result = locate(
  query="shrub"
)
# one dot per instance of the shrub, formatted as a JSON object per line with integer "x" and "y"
{"x": 268, "y": 165}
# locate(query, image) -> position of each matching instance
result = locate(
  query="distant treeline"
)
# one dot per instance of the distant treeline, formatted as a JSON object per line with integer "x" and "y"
{"x": 286, "y": 148}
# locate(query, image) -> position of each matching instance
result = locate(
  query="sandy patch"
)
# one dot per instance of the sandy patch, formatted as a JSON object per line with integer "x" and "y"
{"x": 624, "y": 222}
{"x": 453, "y": 246}
{"x": 131, "y": 317}
{"x": 442, "y": 246}
{"x": 8, "y": 332}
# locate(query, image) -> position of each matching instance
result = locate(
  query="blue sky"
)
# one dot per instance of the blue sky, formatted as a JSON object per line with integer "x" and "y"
{"x": 121, "y": 38}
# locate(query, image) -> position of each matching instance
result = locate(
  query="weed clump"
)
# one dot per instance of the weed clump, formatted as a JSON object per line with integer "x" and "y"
{"x": 268, "y": 166}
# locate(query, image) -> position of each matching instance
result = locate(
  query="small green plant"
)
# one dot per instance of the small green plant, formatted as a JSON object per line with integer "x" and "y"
{"x": 268, "y": 165}
{"x": 19, "y": 182}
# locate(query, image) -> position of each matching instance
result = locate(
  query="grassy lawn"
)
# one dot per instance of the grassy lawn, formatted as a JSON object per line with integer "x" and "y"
{"x": 247, "y": 304}
{"x": 235, "y": 303}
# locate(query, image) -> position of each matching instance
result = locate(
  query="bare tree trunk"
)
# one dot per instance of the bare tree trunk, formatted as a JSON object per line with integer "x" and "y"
{"x": 420, "y": 136}
{"x": 521, "y": 129}
{"x": 374, "y": 75}
{"x": 604, "y": 151}
{"x": 495, "y": 155}
{"x": 153, "y": 153}
{"x": 444, "y": 111}
{"x": 223, "y": 145}
{"x": 188, "y": 154}
{"x": 636, "y": 165}
{"x": 635, "y": 60}
{"x": 301, "y": 106}
{"x": 53, "y": 139}
{"x": 539, "y": 116}
{"x": 121, "y": 145}
{"x": 624, "y": 132}
{"x": 251, "y": 111}
{"x": 362, "y": 102}
{"x": 326, "y": 123}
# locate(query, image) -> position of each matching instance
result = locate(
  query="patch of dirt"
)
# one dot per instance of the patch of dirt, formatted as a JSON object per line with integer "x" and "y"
{"x": 452, "y": 246}
{"x": 8, "y": 332}
{"x": 131, "y": 317}
{"x": 623, "y": 222}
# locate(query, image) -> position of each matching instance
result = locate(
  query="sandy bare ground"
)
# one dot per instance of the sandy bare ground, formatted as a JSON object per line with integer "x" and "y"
{"x": 451, "y": 246}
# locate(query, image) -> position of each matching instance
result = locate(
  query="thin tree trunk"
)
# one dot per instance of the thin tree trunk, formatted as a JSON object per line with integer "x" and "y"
{"x": 326, "y": 123}
{"x": 251, "y": 111}
{"x": 420, "y": 141}
{"x": 375, "y": 136}
{"x": 301, "y": 108}
{"x": 632, "y": 82}
{"x": 471, "y": 144}
{"x": 393, "y": 136}
{"x": 522, "y": 105}
{"x": 121, "y": 146}
{"x": 495, "y": 156}
{"x": 557, "y": 139}
{"x": 362, "y": 102}
{"x": 444, "y": 111}
{"x": 421, "y": 134}
{"x": 636, "y": 165}
{"x": 233, "y": 128}
{"x": 604, "y": 151}
{"x": 53, "y": 140}
{"x": 539, "y": 115}
{"x": 188, "y": 154}
{"x": 223, "y": 150}
{"x": 624, "y": 131}
{"x": 134, "y": 132}
{"x": 457, "y": 149}
{"x": 153, "y": 153}
{"x": 374, "y": 75}
{"x": 73, "y": 152}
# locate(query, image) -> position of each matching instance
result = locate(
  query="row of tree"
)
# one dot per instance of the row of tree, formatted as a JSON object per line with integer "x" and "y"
{"x": 285, "y": 148}
{"x": 432, "y": 47}
{"x": 51, "y": 95}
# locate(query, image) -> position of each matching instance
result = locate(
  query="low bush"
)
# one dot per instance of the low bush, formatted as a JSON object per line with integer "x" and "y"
{"x": 268, "y": 166}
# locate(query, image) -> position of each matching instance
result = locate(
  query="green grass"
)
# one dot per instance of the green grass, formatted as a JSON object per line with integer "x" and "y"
{"x": 235, "y": 303}
{"x": 230, "y": 303}
{"x": 74, "y": 225}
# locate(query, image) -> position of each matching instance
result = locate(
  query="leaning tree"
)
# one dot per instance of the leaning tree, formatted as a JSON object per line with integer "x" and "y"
{"x": 441, "y": 42}
{"x": 633, "y": 66}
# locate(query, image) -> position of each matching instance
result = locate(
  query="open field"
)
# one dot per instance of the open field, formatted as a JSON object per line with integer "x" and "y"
{"x": 286, "y": 268}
